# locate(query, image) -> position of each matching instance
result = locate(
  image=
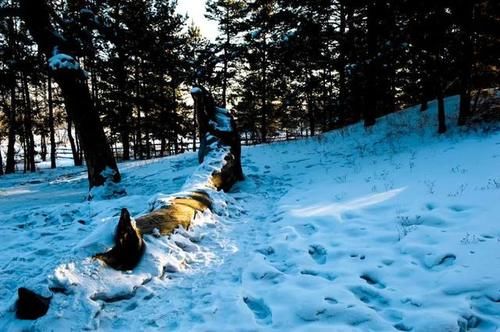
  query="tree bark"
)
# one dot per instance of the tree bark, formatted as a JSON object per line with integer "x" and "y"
{"x": 74, "y": 149}
{"x": 10, "y": 166}
{"x": 465, "y": 13}
{"x": 51, "y": 123}
{"x": 220, "y": 150}
{"x": 43, "y": 147}
{"x": 441, "y": 110}
{"x": 424, "y": 95}
{"x": 28, "y": 127}
{"x": 138, "y": 135}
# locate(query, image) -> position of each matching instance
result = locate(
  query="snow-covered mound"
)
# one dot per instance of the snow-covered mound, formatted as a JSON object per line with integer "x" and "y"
{"x": 394, "y": 228}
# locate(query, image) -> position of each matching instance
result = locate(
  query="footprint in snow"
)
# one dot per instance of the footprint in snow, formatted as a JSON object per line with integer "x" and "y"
{"x": 439, "y": 262}
{"x": 430, "y": 206}
{"x": 370, "y": 296}
{"x": 459, "y": 208}
{"x": 259, "y": 309}
{"x": 307, "y": 229}
{"x": 324, "y": 275}
{"x": 266, "y": 251}
{"x": 372, "y": 280}
{"x": 253, "y": 168}
{"x": 486, "y": 237}
{"x": 318, "y": 253}
{"x": 331, "y": 300}
{"x": 402, "y": 327}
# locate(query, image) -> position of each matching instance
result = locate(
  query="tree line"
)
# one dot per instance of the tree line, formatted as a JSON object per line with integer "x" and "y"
{"x": 284, "y": 68}
{"x": 135, "y": 58}
{"x": 315, "y": 65}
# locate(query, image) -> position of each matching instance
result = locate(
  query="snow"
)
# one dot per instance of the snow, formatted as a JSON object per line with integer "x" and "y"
{"x": 222, "y": 120}
{"x": 196, "y": 90}
{"x": 63, "y": 61}
{"x": 109, "y": 189}
{"x": 391, "y": 228}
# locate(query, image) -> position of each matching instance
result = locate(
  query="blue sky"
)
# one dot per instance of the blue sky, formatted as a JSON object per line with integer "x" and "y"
{"x": 196, "y": 11}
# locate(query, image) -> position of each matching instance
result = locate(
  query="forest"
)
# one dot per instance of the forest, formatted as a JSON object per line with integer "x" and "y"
{"x": 286, "y": 69}
{"x": 325, "y": 165}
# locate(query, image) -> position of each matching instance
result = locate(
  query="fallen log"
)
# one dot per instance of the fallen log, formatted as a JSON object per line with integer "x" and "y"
{"x": 220, "y": 167}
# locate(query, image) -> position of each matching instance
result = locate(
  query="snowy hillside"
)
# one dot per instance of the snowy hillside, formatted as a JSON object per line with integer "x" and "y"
{"x": 392, "y": 229}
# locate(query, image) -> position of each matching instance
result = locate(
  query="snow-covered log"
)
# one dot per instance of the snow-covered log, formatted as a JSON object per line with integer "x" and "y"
{"x": 220, "y": 168}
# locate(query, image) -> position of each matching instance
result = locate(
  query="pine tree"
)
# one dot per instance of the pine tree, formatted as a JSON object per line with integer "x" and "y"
{"x": 70, "y": 77}
{"x": 229, "y": 14}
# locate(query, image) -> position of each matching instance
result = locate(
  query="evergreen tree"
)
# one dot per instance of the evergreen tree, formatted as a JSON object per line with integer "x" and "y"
{"x": 229, "y": 14}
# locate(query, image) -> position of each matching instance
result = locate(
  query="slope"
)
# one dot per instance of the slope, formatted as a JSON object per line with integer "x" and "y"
{"x": 395, "y": 228}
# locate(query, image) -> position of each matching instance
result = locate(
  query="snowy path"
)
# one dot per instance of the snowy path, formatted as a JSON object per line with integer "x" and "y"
{"x": 212, "y": 291}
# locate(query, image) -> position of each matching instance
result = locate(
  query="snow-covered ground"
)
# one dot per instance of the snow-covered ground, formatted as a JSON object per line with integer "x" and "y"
{"x": 395, "y": 228}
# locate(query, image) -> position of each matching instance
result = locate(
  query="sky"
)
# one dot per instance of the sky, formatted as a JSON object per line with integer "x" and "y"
{"x": 196, "y": 12}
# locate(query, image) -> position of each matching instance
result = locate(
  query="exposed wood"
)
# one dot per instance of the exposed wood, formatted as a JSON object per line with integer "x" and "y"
{"x": 218, "y": 133}
{"x": 128, "y": 248}
{"x": 31, "y": 305}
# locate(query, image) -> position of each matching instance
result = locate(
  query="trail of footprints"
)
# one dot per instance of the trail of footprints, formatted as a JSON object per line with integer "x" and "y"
{"x": 261, "y": 311}
{"x": 318, "y": 253}
{"x": 370, "y": 290}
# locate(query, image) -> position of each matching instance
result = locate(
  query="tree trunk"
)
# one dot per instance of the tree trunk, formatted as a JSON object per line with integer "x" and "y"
{"x": 465, "y": 13}
{"x": 226, "y": 62}
{"x": 424, "y": 106}
{"x": 74, "y": 150}
{"x": 125, "y": 108}
{"x": 163, "y": 145}
{"x": 441, "y": 110}
{"x": 10, "y": 167}
{"x": 125, "y": 136}
{"x": 43, "y": 147}
{"x": 25, "y": 153}
{"x": 220, "y": 150}
{"x": 311, "y": 114}
{"x": 1, "y": 159}
{"x": 28, "y": 127}
{"x": 476, "y": 100}
{"x": 264, "y": 108}
{"x": 68, "y": 74}
{"x": 371, "y": 93}
{"x": 146, "y": 124}
{"x": 79, "y": 149}
{"x": 194, "y": 132}
{"x": 424, "y": 95}
{"x": 51, "y": 123}
{"x": 342, "y": 59}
